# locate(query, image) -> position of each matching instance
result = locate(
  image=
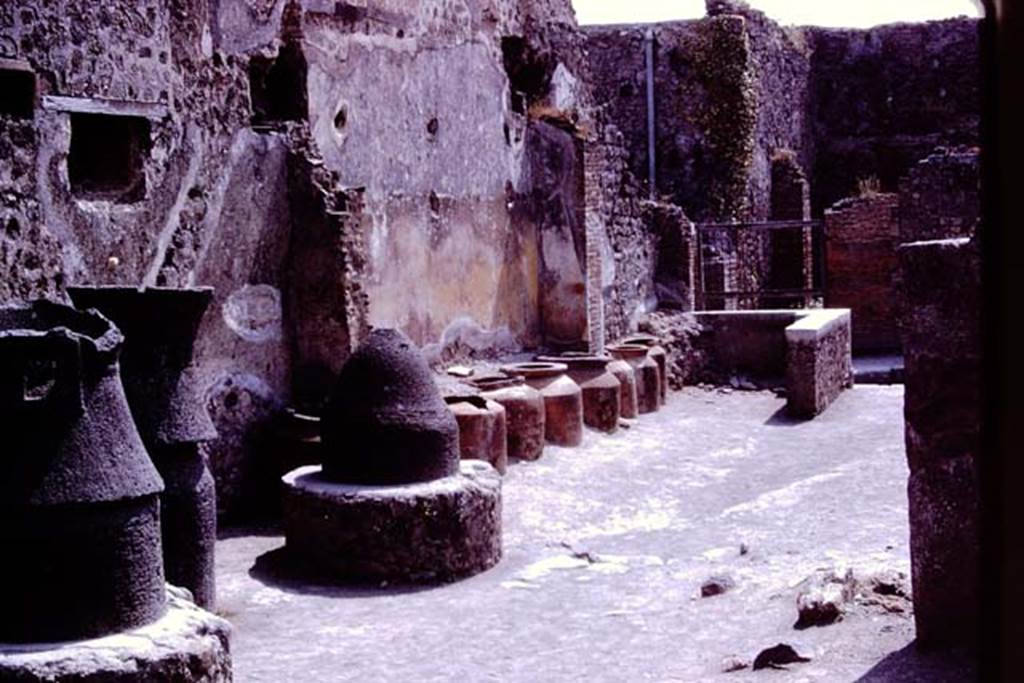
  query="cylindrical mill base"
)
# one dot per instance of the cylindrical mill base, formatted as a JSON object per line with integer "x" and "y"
{"x": 80, "y": 571}
{"x": 424, "y": 532}
{"x": 186, "y": 644}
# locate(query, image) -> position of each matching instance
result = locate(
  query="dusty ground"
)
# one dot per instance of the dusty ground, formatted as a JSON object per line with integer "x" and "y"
{"x": 606, "y": 547}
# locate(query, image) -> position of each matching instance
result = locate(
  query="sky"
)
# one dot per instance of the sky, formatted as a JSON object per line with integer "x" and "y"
{"x": 848, "y": 13}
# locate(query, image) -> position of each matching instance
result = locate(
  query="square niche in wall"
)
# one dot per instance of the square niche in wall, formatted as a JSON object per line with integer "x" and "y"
{"x": 17, "y": 92}
{"x": 107, "y": 157}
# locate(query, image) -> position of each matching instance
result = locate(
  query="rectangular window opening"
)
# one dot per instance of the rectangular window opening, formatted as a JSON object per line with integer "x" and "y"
{"x": 107, "y": 157}
{"x": 18, "y": 88}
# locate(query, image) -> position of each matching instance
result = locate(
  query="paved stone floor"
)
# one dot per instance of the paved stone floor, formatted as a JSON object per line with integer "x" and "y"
{"x": 606, "y": 547}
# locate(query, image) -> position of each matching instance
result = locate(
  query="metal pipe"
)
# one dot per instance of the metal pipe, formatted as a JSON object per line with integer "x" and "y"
{"x": 649, "y": 49}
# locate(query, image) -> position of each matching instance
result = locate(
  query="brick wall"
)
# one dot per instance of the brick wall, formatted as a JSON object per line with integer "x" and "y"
{"x": 860, "y": 257}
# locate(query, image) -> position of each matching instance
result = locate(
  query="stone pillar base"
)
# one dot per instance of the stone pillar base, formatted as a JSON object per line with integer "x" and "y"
{"x": 186, "y": 644}
{"x": 433, "y": 531}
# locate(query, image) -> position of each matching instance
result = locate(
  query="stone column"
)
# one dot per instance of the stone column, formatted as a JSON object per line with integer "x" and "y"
{"x": 942, "y": 354}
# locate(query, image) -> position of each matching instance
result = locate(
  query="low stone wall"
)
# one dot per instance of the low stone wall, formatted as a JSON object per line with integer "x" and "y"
{"x": 807, "y": 349}
{"x": 818, "y": 361}
{"x": 942, "y": 356}
{"x": 745, "y": 343}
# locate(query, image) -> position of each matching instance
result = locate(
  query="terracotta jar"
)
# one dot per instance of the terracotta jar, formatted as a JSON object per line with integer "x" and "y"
{"x": 160, "y": 326}
{"x": 648, "y": 382}
{"x": 524, "y": 413}
{"x": 624, "y": 372}
{"x": 79, "y": 506}
{"x": 563, "y": 400}
{"x": 483, "y": 432}
{"x": 658, "y": 353}
{"x": 601, "y": 389}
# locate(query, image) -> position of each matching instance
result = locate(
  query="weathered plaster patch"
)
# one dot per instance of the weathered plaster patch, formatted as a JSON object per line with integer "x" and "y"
{"x": 254, "y": 313}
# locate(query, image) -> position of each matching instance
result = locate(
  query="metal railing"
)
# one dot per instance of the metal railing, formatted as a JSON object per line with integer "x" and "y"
{"x": 799, "y": 295}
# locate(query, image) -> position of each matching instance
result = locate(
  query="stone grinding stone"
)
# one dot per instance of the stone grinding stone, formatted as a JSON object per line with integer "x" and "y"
{"x": 186, "y": 644}
{"x": 429, "y": 532}
{"x": 385, "y": 422}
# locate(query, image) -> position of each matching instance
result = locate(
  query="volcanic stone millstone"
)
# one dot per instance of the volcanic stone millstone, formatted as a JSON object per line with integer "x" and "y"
{"x": 386, "y": 422}
{"x": 79, "y": 515}
{"x": 160, "y": 325}
{"x": 416, "y": 533}
{"x": 185, "y": 644}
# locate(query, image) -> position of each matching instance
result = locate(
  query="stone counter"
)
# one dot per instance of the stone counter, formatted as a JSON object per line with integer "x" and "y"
{"x": 818, "y": 360}
{"x": 809, "y": 348}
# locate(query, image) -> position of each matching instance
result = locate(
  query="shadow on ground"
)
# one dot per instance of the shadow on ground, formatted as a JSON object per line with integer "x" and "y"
{"x": 782, "y": 418}
{"x": 910, "y": 664}
{"x": 278, "y": 568}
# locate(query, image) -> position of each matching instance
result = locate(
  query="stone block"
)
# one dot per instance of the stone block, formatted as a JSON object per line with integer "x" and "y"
{"x": 818, "y": 361}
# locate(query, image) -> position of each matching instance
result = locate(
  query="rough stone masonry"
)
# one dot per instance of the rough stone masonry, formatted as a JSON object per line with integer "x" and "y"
{"x": 473, "y": 173}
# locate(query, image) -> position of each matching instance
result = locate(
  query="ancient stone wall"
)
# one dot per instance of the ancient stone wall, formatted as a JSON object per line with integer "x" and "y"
{"x": 860, "y": 260}
{"x": 629, "y": 245}
{"x": 391, "y": 111}
{"x": 137, "y": 165}
{"x": 701, "y": 68}
{"x": 715, "y": 165}
{"x": 941, "y": 196}
{"x": 735, "y": 90}
{"x": 154, "y": 143}
{"x": 885, "y": 97}
{"x": 780, "y": 69}
{"x": 942, "y": 357}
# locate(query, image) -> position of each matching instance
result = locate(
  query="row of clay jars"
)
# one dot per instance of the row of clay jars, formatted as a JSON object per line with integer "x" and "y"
{"x": 660, "y": 356}
{"x": 601, "y": 390}
{"x": 483, "y": 429}
{"x": 624, "y": 372}
{"x": 563, "y": 400}
{"x": 648, "y": 380}
{"x": 524, "y": 413}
